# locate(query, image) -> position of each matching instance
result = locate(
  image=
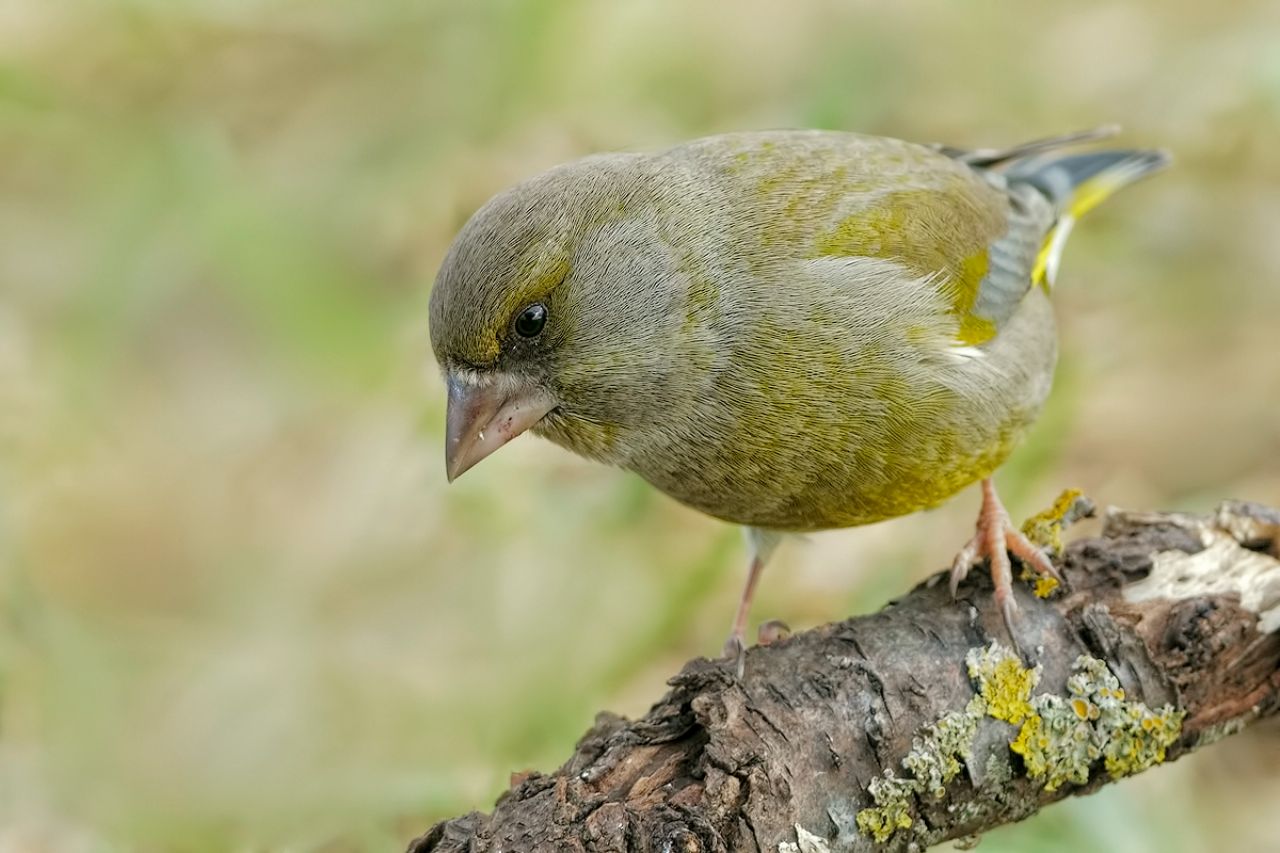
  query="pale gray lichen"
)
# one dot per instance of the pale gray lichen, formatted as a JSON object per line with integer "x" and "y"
{"x": 892, "y": 811}
{"x": 995, "y": 793}
{"x": 935, "y": 759}
{"x": 1056, "y": 744}
{"x": 935, "y": 756}
{"x": 1060, "y": 738}
{"x": 1066, "y": 735}
{"x": 806, "y": 842}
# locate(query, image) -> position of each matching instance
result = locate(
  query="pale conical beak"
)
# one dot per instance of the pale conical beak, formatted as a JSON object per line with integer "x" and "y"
{"x": 482, "y": 418}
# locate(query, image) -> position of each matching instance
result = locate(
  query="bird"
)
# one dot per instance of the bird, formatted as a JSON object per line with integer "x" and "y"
{"x": 789, "y": 330}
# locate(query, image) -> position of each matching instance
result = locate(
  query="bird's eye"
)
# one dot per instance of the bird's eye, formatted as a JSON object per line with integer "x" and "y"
{"x": 531, "y": 320}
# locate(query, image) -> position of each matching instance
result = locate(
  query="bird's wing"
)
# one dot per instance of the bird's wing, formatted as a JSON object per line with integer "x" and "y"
{"x": 974, "y": 236}
{"x": 985, "y": 226}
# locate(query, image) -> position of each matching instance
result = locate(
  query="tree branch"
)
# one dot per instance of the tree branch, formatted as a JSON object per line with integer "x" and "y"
{"x": 917, "y": 724}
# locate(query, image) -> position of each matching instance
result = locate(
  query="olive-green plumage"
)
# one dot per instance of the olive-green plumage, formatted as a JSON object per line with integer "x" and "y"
{"x": 788, "y": 330}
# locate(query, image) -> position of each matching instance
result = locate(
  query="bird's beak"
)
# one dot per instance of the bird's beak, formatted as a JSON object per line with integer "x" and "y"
{"x": 482, "y": 418}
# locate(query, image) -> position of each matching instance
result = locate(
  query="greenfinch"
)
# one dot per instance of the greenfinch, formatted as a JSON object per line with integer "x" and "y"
{"x": 788, "y": 330}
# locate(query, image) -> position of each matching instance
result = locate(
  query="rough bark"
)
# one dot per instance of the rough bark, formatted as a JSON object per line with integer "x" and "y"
{"x": 866, "y": 734}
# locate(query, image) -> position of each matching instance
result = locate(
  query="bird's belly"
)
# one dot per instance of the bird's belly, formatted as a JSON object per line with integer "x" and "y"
{"x": 864, "y": 492}
{"x": 864, "y": 486}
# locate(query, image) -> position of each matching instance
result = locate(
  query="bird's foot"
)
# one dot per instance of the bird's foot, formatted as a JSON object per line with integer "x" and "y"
{"x": 771, "y": 632}
{"x": 995, "y": 539}
{"x": 735, "y": 648}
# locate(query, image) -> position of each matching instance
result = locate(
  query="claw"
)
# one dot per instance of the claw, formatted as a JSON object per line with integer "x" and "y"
{"x": 965, "y": 560}
{"x": 1008, "y": 610}
{"x": 735, "y": 651}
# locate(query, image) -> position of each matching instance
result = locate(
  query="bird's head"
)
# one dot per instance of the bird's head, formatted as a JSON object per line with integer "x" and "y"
{"x": 558, "y": 308}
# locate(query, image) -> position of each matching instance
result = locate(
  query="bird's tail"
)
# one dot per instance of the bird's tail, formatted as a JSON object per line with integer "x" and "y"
{"x": 1080, "y": 182}
{"x": 1075, "y": 183}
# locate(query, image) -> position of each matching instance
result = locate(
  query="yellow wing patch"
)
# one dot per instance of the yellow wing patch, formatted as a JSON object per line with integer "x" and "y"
{"x": 973, "y": 329}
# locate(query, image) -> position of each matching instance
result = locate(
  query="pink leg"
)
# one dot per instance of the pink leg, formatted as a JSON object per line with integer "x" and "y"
{"x": 735, "y": 648}
{"x": 995, "y": 539}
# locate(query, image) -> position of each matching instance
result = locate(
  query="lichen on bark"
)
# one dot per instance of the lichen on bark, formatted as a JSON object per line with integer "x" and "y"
{"x": 793, "y": 755}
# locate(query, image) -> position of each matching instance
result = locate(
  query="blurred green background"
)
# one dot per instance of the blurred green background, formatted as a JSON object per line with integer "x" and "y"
{"x": 239, "y": 609}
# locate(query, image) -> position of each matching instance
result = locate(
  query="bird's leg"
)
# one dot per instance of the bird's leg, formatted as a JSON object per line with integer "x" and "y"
{"x": 995, "y": 539}
{"x": 735, "y": 648}
{"x": 762, "y": 544}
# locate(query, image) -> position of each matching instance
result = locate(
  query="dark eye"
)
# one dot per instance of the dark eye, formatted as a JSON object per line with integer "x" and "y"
{"x": 531, "y": 320}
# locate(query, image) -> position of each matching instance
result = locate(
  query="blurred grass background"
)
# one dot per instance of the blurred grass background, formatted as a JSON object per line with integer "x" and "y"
{"x": 238, "y": 607}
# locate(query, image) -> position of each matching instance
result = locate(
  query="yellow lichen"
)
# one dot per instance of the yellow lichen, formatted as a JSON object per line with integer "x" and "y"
{"x": 1045, "y": 528}
{"x": 1084, "y": 710}
{"x": 1065, "y": 736}
{"x": 1004, "y": 684}
{"x": 1030, "y": 745}
{"x": 882, "y": 822}
{"x": 893, "y": 796}
{"x": 1044, "y": 586}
